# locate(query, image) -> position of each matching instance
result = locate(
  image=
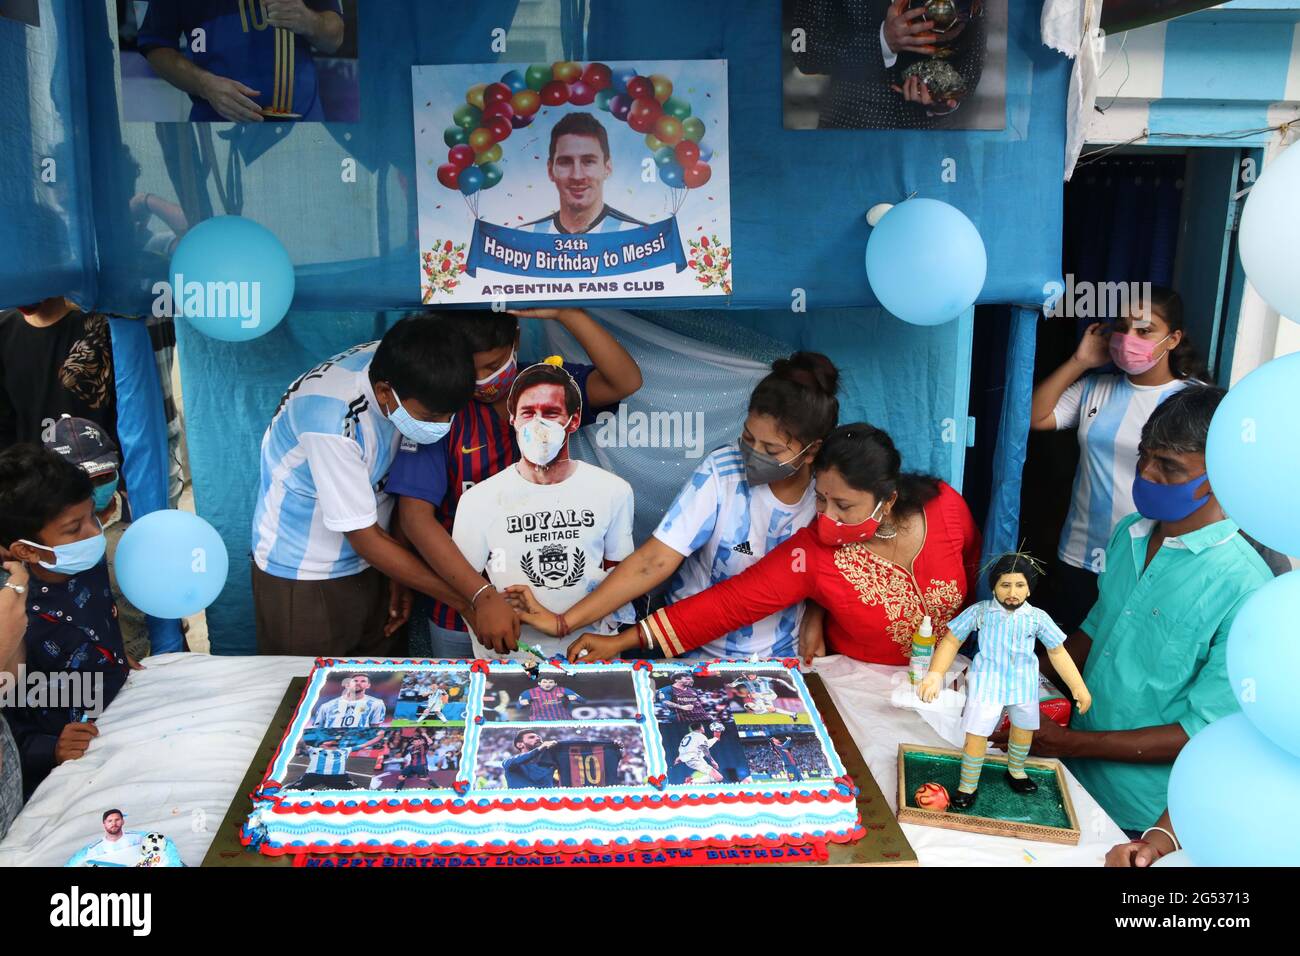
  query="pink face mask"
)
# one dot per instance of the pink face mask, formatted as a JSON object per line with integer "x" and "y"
{"x": 1132, "y": 353}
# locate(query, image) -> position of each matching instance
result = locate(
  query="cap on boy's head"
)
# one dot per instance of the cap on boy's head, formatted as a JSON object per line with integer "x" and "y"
{"x": 86, "y": 445}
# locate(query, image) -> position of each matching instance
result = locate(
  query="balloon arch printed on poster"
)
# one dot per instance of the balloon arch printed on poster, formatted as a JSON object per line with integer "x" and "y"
{"x": 588, "y": 247}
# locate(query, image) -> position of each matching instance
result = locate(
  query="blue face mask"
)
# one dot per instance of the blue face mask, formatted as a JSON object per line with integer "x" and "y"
{"x": 422, "y": 433}
{"x": 1167, "y": 502}
{"x": 104, "y": 494}
{"x": 75, "y": 557}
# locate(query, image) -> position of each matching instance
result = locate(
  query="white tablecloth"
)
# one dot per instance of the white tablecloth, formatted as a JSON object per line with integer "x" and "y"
{"x": 861, "y": 693}
{"x": 174, "y": 746}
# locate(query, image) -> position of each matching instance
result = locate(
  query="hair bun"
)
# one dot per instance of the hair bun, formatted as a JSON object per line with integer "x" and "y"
{"x": 811, "y": 370}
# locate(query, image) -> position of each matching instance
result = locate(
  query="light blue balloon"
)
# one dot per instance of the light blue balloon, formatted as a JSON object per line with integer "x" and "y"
{"x": 1263, "y": 660}
{"x": 926, "y": 262}
{"x": 171, "y": 564}
{"x": 231, "y": 279}
{"x": 1230, "y": 797}
{"x": 1252, "y": 453}
{"x": 1270, "y": 234}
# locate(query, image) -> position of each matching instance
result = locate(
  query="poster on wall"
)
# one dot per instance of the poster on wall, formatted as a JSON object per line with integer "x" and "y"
{"x": 564, "y": 181}
{"x": 894, "y": 64}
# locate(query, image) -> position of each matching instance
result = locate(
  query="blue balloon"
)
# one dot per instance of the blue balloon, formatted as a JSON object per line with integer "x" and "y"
{"x": 1227, "y": 797}
{"x": 1263, "y": 662}
{"x": 671, "y": 175}
{"x": 471, "y": 180}
{"x": 1252, "y": 454}
{"x": 706, "y": 152}
{"x": 664, "y": 156}
{"x": 926, "y": 262}
{"x": 1270, "y": 234}
{"x": 171, "y": 564}
{"x": 231, "y": 278}
{"x": 515, "y": 80}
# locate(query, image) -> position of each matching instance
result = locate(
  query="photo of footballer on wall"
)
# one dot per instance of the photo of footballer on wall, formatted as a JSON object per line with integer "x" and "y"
{"x": 894, "y": 64}
{"x": 431, "y": 698}
{"x": 334, "y": 759}
{"x": 239, "y": 61}
{"x": 363, "y": 699}
{"x": 555, "y": 695}
{"x": 549, "y": 756}
{"x": 417, "y": 758}
{"x": 784, "y": 754}
{"x": 683, "y": 697}
{"x": 703, "y": 752}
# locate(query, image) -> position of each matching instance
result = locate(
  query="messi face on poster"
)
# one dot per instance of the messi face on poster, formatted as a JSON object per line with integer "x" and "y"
{"x": 572, "y": 180}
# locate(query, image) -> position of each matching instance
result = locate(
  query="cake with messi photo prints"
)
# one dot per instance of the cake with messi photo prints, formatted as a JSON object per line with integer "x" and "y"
{"x": 468, "y": 759}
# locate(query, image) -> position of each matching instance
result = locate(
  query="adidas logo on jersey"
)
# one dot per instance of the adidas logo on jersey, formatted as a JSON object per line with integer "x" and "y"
{"x": 744, "y": 548}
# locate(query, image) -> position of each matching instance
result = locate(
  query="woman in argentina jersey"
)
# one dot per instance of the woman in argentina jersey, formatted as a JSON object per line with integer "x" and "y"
{"x": 743, "y": 500}
{"x": 1154, "y": 359}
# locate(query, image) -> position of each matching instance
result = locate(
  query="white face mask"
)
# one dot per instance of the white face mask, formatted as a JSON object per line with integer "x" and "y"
{"x": 541, "y": 439}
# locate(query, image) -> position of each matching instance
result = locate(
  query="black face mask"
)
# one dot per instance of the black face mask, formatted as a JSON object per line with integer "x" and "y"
{"x": 763, "y": 469}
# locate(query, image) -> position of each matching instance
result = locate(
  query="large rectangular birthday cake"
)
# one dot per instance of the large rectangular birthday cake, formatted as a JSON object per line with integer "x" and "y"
{"x": 416, "y": 757}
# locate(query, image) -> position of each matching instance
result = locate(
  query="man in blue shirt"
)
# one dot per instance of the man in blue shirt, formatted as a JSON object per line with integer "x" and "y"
{"x": 245, "y": 60}
{"x": 47, "y": 521}
{"x": 532, "y": 766}
{"x": 1153, "y": 649}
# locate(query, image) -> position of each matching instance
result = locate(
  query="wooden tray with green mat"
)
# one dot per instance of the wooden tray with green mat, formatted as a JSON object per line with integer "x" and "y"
{"x": 1047, "y": 815}
{"x": 883, "y": 845}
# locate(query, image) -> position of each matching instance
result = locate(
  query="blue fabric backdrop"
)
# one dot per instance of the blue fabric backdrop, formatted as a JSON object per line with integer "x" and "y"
{"x": 798, "y": 202}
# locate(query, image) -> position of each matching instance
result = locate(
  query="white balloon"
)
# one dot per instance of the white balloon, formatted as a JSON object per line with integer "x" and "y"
{"x": 1270, "y": 233}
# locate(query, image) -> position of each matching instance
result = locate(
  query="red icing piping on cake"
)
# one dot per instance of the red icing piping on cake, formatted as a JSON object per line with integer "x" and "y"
{"x": 587, "y": 846}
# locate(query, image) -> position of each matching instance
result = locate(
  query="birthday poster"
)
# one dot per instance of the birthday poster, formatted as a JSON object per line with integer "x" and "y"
{"x": 572, "y": 180}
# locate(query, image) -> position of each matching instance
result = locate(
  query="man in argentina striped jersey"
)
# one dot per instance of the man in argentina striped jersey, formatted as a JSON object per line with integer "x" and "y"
{"x": 578, "y": 163}
{"x": 328, "y": 578}
{"x": 352, "y": 708}
{"x": 244, "y": 60}
{"x": 327, "y": 764}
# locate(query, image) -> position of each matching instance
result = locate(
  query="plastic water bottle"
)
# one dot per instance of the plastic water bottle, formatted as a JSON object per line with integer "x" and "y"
{"x": 922, "y": 652}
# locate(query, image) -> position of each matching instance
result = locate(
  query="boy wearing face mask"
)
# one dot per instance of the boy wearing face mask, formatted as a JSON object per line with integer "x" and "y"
{"x": 430, "y": 480}
{"x": 328, "y": 577}
{"x": 48, "y": 522}
{"x": 547, "y": 521}
{"x": 1154, "y": 358}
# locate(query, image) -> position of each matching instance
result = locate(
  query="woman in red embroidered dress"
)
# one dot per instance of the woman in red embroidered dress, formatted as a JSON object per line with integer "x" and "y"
{"x": 885, "y": 550}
